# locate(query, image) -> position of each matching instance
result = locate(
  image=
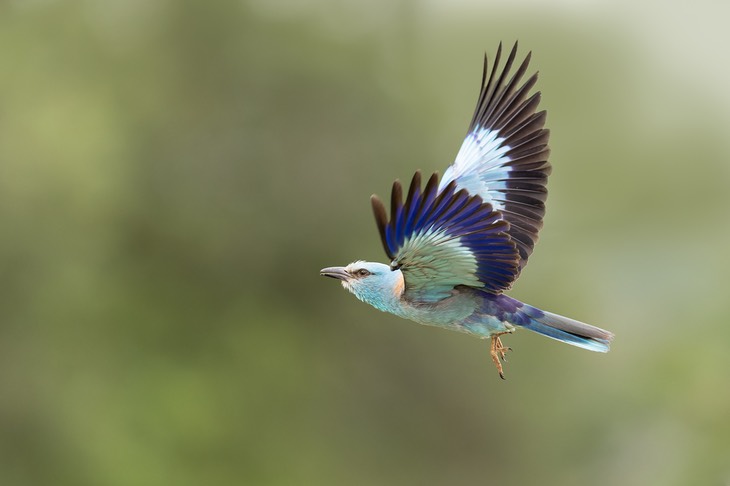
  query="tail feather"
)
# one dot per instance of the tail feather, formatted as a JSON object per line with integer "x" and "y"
{"x": 568, "y": 330}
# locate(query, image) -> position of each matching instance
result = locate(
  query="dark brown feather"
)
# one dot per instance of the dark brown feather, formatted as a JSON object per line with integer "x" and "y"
{"x": 381, "y": 220}
{"x": 506, "y": 105}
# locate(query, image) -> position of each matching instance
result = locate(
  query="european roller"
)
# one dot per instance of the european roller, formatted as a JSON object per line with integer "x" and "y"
{"x": 457, "y": 244}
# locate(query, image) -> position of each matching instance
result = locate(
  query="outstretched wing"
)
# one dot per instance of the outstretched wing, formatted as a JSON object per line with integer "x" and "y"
{"x": 442, "y": 238}
{"x": 504, "y": 157}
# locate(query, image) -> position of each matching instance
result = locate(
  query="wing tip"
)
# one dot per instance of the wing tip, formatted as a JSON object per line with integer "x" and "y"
{"x": 381, "y": 220}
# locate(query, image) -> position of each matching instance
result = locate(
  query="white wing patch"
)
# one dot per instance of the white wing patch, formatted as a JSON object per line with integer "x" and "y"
{"x": 480, "y": 166}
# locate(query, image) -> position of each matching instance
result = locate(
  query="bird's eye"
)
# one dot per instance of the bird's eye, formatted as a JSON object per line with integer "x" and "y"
{"x": 362, "y": 273}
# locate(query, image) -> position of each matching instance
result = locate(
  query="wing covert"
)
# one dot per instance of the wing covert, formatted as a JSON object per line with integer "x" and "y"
{"x": 442, "y": 238}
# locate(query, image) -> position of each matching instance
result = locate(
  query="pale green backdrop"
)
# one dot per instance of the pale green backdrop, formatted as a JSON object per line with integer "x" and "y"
{"x": 173, "y": 174}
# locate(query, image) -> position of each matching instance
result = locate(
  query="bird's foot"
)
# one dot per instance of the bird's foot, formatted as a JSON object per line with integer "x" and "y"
{"x": 499, "y": 353}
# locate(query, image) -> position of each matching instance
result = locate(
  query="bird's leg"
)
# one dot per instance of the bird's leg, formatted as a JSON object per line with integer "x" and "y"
{"x": 498, "y": 352}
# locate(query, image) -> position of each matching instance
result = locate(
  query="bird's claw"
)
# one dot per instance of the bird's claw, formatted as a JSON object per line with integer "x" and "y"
{"x": 499, "y": 353}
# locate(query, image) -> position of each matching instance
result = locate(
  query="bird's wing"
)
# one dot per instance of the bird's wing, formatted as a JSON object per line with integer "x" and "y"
{"x": 504, "y": 157}
{"x": 442, "y": 238}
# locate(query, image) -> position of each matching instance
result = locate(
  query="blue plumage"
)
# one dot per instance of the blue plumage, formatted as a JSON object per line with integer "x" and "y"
{"x": 507, "y": 309}
{"x": 456, "y": 245}
{"x": 480, "y": 231}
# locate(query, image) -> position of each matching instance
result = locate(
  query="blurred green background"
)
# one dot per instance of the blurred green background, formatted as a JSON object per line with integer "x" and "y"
{"x": 173, "y": 174}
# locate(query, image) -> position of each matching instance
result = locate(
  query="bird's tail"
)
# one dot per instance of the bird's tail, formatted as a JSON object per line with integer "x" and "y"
{"x": 567, "y": 330}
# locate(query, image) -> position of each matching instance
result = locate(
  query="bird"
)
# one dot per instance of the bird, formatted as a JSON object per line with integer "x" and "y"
{"x": 458, "y": 243}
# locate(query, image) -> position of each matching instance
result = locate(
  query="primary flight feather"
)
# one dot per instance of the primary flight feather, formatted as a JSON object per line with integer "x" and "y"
{"x": 457, "y": 244}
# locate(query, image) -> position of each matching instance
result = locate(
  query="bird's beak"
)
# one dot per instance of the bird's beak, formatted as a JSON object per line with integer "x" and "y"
{"x": 335, "y": 272}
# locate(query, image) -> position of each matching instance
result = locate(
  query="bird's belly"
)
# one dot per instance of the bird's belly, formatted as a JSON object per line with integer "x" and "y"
{"x": 460, "y": 314}
{"x": 483, "y": 327}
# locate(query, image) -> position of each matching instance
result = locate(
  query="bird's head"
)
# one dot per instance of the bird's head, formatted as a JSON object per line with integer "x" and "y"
{"x": 374, "y": 283}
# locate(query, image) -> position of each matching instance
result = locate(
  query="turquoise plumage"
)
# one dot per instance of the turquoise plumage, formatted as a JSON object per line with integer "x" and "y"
{"x": 457, "y": 244}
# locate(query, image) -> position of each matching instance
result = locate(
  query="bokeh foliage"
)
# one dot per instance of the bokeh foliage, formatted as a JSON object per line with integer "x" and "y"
{"x": 174, "y": 173}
